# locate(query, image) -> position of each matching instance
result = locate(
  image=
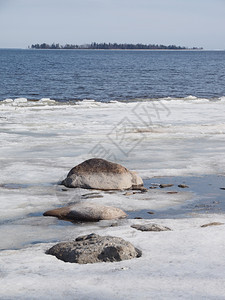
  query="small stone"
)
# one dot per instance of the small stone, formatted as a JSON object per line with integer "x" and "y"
{"x": 222, "y": 188}
{"x": 124, "y": 268}
{"x": 212, "y": 224}
{"x": 172, "y": 192}
{"x": 151, "y": 212}
{"x": 92, "y": 195}
{"x": 93, "y": 248}
{"x": 183, "y": 186}
{"x": 152, "y": 187}
{"x": 150, "y": 227}
{"x": 162, "y": 186}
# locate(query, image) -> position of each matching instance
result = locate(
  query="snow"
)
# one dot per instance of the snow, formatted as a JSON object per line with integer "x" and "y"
{"x": 186, "y": 263}
{"x": 42, "y": 140}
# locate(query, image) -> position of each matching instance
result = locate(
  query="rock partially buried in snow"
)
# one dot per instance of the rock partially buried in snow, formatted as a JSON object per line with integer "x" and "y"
{"x": 93, "y": 248}
{"x": 212, "y": 224}
{"x": 97, "y": 173}
{"x": 86, "y": 212}
{"x": 150, "y": 227}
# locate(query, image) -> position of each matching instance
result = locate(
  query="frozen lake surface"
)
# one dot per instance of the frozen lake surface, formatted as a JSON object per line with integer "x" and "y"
{"x": 166, "y": 141}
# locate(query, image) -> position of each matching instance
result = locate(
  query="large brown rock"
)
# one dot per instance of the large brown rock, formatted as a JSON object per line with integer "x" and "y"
{"x": 86, "y": 212}
{"x": 97, "y": 173}
{"x": 93, "y": 248}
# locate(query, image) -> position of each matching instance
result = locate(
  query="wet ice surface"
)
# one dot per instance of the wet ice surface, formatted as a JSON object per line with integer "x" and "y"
{"x": 207, "y": 196}
{"x": 23, "y": 223}
{"x": 27, "y": 225}
{"x": 183, "y": 142}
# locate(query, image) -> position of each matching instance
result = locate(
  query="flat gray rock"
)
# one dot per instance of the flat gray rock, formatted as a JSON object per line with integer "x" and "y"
{"x": 86, "y": 212}
{"x": 93, "y": 248}
{"x": 150, "y": 227}
{"x": 97, "y": 173}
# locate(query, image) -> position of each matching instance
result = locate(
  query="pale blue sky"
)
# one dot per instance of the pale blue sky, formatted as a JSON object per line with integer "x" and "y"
{"x": 181, "y": 22}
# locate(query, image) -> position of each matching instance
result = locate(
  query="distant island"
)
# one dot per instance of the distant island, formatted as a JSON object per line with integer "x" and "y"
{"x": 112, "y": 46}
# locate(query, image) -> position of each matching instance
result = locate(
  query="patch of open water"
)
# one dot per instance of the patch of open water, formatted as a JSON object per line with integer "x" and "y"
{"x": 208, "y": 197}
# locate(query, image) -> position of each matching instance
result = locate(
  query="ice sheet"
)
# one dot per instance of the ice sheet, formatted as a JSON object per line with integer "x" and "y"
{"x": 40, "y": 144}
{"x": 41, "y": 141}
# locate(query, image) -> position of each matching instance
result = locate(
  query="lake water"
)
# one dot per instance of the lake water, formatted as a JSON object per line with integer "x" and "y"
{"x": 68, "y": 75}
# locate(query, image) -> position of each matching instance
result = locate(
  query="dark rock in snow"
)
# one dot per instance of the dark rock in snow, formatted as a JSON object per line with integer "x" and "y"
{"x": 93, "y": 248}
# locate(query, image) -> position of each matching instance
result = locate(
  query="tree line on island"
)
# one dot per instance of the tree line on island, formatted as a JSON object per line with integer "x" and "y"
{"x": 111, "y": 46}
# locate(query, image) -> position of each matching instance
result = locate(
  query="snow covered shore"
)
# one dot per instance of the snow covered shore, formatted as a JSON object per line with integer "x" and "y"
{"x": 40, "y": 142}
{"x": 186, "y": 263}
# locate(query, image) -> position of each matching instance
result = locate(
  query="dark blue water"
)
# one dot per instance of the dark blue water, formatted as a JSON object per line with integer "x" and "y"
{"x": 66, "y": 75}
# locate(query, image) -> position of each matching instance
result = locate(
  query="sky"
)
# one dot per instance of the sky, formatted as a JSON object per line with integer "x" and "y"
{"x": 190, "y": 23}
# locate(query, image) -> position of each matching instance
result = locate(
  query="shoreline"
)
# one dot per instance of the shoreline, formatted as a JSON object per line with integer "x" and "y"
{"x": 202, "y": 50}
{"x": 27, "y": 102}
{"x": 186, "y": 262}
{"x": 40, "y": 147}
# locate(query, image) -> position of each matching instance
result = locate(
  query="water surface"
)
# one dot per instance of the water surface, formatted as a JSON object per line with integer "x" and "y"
{"x": 67, "y": 75}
